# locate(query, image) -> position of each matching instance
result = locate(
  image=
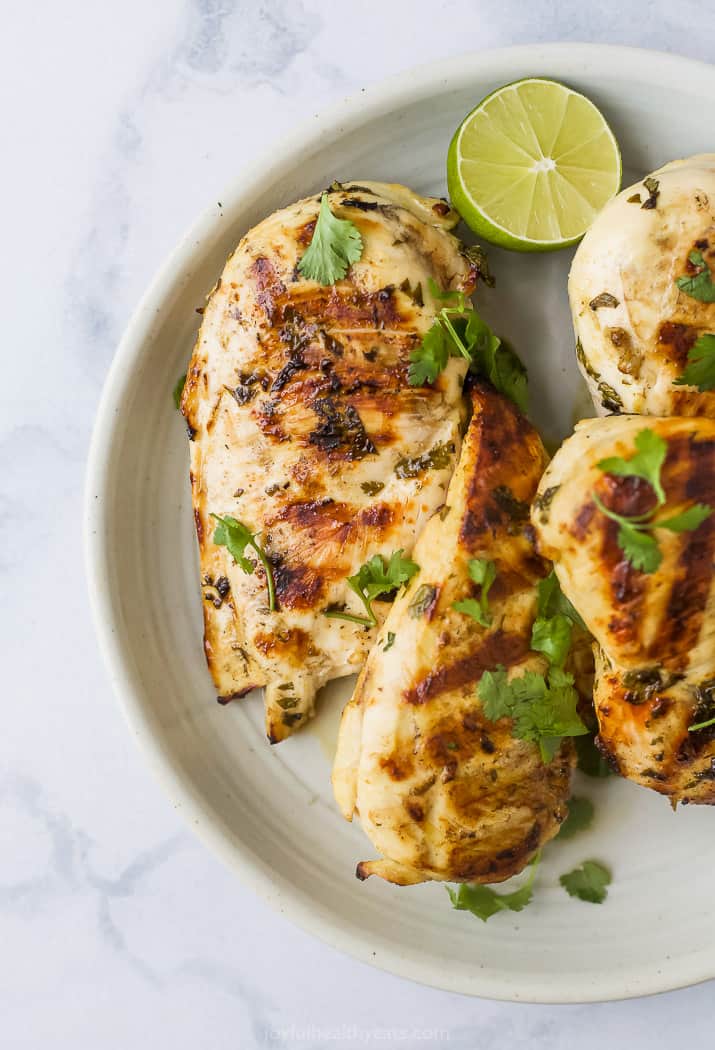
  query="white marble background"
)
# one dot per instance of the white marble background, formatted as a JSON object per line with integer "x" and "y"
{"x": 118, "y": 931}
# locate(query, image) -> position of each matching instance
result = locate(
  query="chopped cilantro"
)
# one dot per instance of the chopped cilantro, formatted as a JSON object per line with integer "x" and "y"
{"x": 650, "y": 455}
{"x": 604, "y": 299}
{"x": 236, "y": 536}
{"x": 374, "y": 579}
{"x": 543, "y": 709}
{"x": 653, "y": 187}
{"x": 580, "y": 817}
{"x": 423, "y": 601}
{"x": 552, "y": 629}
{"x": 700, "y": 370}
{"x": 635, "y": 536}
{"x": 483, "y": 572}
{"x": 459, "y": 330}
{"x": 589, "y": 759}
{"x": 552, "y": 600}
{"x": 483, "y": 901}
{"x": 587, "y": 882}
{"x": 335, "y": 245}
{"x": 698, "y": 284}
{"x": 552, "y": 637}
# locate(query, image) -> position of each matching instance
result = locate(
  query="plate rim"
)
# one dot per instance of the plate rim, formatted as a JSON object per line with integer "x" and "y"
{"x": 368, "y": 103}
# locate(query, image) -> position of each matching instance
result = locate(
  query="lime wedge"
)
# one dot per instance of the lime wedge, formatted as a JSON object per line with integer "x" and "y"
{"x": 532, "y": 166}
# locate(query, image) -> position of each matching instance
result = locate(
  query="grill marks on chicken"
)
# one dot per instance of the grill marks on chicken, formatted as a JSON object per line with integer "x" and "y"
{"x": 442, "y": 792}
{"x": 633, "y": 324}
{"x": 655, "y": 633}
{"x": 300, "y": 410}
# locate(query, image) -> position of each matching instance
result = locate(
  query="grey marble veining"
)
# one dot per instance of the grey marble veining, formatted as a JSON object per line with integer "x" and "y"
{"x": 117, "y": 928}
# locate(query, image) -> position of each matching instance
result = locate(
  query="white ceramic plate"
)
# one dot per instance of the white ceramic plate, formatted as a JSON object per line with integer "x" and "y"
{"x": 269, "y": 811}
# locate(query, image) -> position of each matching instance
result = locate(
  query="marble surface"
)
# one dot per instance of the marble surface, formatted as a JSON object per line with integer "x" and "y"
{"x": 118, "y": 929}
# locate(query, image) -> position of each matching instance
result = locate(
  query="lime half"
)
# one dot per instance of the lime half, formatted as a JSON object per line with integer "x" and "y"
{"x": 531, "y": 167}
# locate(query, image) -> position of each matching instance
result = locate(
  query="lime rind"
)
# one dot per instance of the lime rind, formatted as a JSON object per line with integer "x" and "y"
{"x": 531, "y": 166}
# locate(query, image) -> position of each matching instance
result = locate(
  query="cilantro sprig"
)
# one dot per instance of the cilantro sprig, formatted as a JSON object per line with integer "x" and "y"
{"x": 701, "y": 725}
{"x": 700, "y": 369}
{"x": 552, "y": 629}
{"x": 374, "y": 579}
{"x": 588, "y": 882}
{"x": 698, "y": 284}
{"x": 650, "y": 455}
{"x": 458, "y": 330}
{"x": 543, "y": 708}
{"x": 483, "y": 901}
{"x": 635, "y": 533}
{"x": 483, "y": 572}
{"x": 335, "y": 245}
{"x": 589, "y": 759}
{"x": 579, "y": 818}
{"x": 236, "y": 537}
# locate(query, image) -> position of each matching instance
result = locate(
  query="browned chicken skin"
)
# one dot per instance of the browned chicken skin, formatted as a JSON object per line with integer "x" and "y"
{"x": 655, "y": 633}
{"x": 442, "y": 792}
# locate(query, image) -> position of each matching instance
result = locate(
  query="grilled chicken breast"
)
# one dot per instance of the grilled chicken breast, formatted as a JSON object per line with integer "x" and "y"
{"x": 442, "y": 792}
{"x": 634, "y": 326}
{"x": 655, "y": 633}
{"x": 304, "y": 428}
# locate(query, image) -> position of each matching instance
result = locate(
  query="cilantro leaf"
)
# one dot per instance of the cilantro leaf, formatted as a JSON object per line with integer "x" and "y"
{"x": 471, "y": 607}
{"x": 373, "y": 579}
{"x": 587, "y": 882}
{"x": 687, "y": 521}
{"x": 646, "y": 464}
{"x": 560, "y": 715}
{"x": 640, "y": 548}
{"x": 480, "y": 340}
{"x": 458, "y": 330}
{"x": 447, "y": 295}
{"x": 178, "y": 390}
{"x": 495, "y": 361}
{"x": 635, "y": 534}
{"x": 483, "y": 572}
{"x": 698, "y": 285}
{"x": 335, "y": 245}
{"x": 580, "y": 817}
{"x": 236, "y": 536}
{"x": 390, "y": 641}
{"x": 552, "y": 637}
{"x": 700, "y": 370}
{"x": 496, "y": 694}
{"x": 509, "y": 376}
{"x": 589, "y": 759}
{"x": 483, "y": 901}
{"x": 376, "y": 578}
{"x": 552, "y": 630}
{"x": 430, "y": 358}
{"x": 542, "y": 709}
{"x": 552, "y": 600}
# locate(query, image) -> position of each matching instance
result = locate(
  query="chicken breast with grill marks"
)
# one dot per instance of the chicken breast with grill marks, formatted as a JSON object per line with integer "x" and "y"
{"x": 442, "y": 792}
{"x": 655, "y": 633}
{"x": 634, "y": 325}
{"x": 305, "y": 429}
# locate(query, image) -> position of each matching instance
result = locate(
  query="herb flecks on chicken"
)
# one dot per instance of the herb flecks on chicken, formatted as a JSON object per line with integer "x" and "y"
{"x": 643, "y": 298}
{"x": 654, "y": 625}
{"x": 443, "y": 790}
{"x": 304, "y": 428}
